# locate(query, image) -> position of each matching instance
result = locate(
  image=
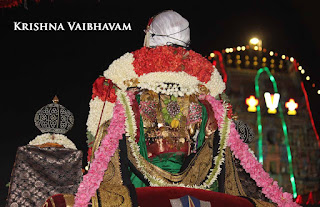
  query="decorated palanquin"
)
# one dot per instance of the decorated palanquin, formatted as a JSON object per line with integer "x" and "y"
{"x": 49, "y": 164}
{"x": 159, "y": 128}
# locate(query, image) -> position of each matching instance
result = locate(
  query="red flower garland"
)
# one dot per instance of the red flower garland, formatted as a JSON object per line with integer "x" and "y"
{"x": 89, "y": 154}
{"x": 172, "y": 59}
{"x": 104, "y": 89}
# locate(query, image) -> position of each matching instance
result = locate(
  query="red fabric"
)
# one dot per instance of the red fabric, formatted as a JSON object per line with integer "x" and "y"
{"x": 160, "y": 196}
{"x": 58, "y": 201}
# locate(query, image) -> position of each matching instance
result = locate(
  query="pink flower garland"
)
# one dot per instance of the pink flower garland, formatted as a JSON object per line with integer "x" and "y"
{"x": 91, "y": 181}
{"x": 250, "y": 164}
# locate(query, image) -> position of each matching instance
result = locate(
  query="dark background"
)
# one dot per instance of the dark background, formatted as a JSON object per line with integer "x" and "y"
{"x": 35, "y": 66}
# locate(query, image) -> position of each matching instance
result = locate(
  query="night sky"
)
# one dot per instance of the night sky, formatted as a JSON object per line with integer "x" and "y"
{"x": 35, "y": 66}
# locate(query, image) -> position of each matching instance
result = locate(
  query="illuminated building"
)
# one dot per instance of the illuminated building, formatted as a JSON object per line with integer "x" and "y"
{"x": 286, "y": 142}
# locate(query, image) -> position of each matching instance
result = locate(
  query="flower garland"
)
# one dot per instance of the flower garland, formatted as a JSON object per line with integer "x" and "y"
{"x": 101, "y": 104}
{"x": 97, "y": 106}
{"x": 221, "y": 115}
{"x": 187, "y": 84}
{"x": 150, "y": 67}
{"x": 91, "y": 181}
{"x": 223, "y": 123}
{"x": 172, "y": 59}
{"x": 101, "y": 108}
{"x": 121, "y": 70}
{"x": 251, "y": 165}
{"x": 53, "y": 138}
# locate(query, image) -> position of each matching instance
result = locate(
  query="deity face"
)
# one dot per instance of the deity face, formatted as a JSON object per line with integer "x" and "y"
{"x": 171, "y": 124}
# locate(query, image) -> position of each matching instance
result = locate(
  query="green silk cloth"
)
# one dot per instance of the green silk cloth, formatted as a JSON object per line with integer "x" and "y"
{"x": 204, "y": 116}
{"x": 170, "y": 162}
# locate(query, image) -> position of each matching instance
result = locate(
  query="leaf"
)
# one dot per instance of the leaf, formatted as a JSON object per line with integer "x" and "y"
{"x": 90, "y": 139}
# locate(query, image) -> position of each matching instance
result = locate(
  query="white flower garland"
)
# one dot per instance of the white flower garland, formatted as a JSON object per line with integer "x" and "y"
{"x": 131, "y": 133}
{"x": 121, "y": 70}
{"x": 224, "y": 135}
{"x": 155, "y": 81}
{"x": 96, "y": 108}
{"x": 53, "y": 138}
{"x": 216, "y": 85}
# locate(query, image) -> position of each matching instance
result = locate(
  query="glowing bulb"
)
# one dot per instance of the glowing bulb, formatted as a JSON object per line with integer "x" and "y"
{"x": 291, "y": 105}
{"x": 243, "y": 48}
{"x": 300, "y": 67}
{"x": 303, "y": 71}
{"x": 252, "y": 102}
{"x": 308, "y": 78}
{"x": 238, "y": 48}
{"x": 256, "y": 47}
{"x": 231, "y": 49}
{"x": 212, "y": 54}
{"x": 227, "y": 50}
{"x": 272, "y": 102}
{"x": 291, "y": 59}
{"x": 254, "y": 41}
{"x": 283, "y": 57}
{"x": 271, "y": 53}
{"x": 318, "y": 92}
{"x": 264, "y": 59}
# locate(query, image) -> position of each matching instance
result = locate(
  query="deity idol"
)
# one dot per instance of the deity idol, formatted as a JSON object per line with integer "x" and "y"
{"x": 159, "y": 117}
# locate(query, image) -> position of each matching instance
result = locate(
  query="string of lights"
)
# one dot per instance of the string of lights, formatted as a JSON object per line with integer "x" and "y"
{"x": 301, "y": 69}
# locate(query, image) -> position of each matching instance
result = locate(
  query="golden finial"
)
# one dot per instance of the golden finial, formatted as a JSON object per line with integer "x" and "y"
{"x": 55, "y": 99}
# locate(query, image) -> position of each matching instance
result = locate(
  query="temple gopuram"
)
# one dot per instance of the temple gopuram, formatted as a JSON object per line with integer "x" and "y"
{"x": 267, "y": 93}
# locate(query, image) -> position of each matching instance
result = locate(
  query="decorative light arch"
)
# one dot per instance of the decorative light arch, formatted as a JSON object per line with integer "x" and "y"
{"x": 284, "y": 126}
